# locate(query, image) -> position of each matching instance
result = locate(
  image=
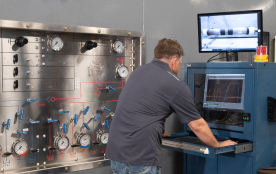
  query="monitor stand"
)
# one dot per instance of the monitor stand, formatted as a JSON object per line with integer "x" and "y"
{"x": 231, "y": 56}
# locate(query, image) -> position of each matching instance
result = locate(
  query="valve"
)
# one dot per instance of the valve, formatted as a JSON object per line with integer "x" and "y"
{"x": 21, "y": 114}
{"x": 52, "y": 148}
{"x": 64, "y": 128}
{"x": 34, "y": 150}
{"x": 8, "y": 153}
{"x": 111, "y": 114}
{"x": 90, "y": 45}
{"x": 15, "y": 58}
{"x": 34, "y": 122}
{"x": 63, "y": 112}
{"x": 97, "y": 117}
{"x": 86, "y": 126}
{"x": 21, "y": 132}
{"x": 15, "y": 71}
{"x": 8, "y": 124}
{"x": 52, "y": 121}
{"x": 21, "y": 41}
{"x": 106, "y": 124}
{"x": 15, "y": 84}
{"x": 32, "y": 100}
{"x": 86, "y": 110}
{"x": 75, "y": 119}
{"x": 110, "y": 87}
{"x": 104, "y": 108}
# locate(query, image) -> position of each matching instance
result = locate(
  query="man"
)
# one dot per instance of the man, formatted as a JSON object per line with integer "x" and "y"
{"x": 152, "y": 93}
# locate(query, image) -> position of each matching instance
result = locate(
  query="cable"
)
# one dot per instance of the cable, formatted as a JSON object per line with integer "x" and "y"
{"x": 213, "y": 57}
{"x": 218, "y": 58}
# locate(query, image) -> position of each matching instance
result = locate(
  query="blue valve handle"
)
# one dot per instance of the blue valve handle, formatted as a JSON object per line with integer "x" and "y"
{"x": 51, "y": 121}
{"x": 75, "y": 119}
{"x": 32, "y": 100}
{"x": 104, "y": 108}
{"x": 64, "y": 128}
{"x": 21, "y": 114}
{"x": 8, "y": 124}
{"x": 63, "y": 112}
{"x": 110, "y": 87}
{"x": 97, "y": 117}
{"x": 86, "y": 110}
{"x": 34, "y": 122}
{"x": 21, "y": 132}
{"x": 106, "y": 124}
{"x": 86, "y": 126}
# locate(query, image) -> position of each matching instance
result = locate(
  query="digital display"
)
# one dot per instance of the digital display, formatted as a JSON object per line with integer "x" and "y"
{"x": 232, "y": 31}
{"x": 224, "y": 91}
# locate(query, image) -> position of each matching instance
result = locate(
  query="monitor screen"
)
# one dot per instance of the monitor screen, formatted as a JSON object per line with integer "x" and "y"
{"x": 231, "y": 31}
{"x": 224, "y": 91}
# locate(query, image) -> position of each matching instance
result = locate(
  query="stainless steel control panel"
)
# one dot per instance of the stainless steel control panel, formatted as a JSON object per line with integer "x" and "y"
{"x": 60, "y": 87}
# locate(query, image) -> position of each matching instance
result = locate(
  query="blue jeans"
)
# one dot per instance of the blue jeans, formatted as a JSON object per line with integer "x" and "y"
{"x": 125, "y": 168}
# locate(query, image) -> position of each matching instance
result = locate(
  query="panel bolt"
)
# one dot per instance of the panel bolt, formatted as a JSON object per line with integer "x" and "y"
{"x": 44, "y": 163}
{"x": 65, "y": 28}
{"x": 250, "y": 64}
{"x": 44, "y": 149}
{"x": 27, "y": 25}
{"x": 99, "y": 30}
{"x": 37, "y": 164}
{"x": 37, "y": 136}
{"x": 129, "y": 33}
{"x": 143, "y": 43}
{"x": 44, "y": 135}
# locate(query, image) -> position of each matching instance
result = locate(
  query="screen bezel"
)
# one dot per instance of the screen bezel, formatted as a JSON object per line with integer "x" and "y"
{"x": 230, "y": 106}
{"x": 260, "y": 25}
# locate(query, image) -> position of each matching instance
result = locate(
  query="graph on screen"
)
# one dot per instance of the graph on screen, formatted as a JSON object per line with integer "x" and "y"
{"x": 224, "y": 90}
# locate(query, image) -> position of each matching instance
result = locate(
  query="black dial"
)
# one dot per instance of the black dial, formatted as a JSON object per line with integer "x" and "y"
{"x": 89, "y": 45}
{"x": 21, "y": 41}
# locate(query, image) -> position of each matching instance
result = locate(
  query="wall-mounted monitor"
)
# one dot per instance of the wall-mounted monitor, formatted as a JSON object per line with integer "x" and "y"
{"x": 239, "y": 31}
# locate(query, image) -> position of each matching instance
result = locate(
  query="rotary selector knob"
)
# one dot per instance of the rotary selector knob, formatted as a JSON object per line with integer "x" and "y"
{"x": 21, "y": 41}
{"x": 90, "y": 45}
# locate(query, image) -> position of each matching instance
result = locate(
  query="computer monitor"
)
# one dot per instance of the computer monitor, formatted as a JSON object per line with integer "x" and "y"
{"x": 224, "y": 91}
{"x": 239, "y": 31}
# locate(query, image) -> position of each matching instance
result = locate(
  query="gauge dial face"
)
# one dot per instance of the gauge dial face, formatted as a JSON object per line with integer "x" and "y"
{"x": 20, "y": 148}
{"x": 55, "y": 43}
{"x": 62, "y": 143}
{"x": 104, "y": 138}
{"x": 118, "y": 46}
{"x": 122, "y": 71}
{"x": 84, "y": 140}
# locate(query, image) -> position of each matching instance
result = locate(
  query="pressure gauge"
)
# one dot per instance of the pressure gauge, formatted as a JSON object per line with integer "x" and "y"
{"x": 61, "y": 142}
{"x": 19, "y": 148}
{"x": 55, "y": 43}
{"x": 83, "y": 140}
{"x": 118, "y": 46}
{"x": 102, "y": 137}
{"x": 122, "y": 71}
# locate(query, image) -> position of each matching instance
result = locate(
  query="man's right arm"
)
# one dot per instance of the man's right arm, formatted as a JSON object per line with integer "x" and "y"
{"x": 203, "y": 132}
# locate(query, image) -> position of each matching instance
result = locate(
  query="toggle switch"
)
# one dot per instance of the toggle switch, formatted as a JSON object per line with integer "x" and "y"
{"x": 90, "y": 45}
{"x": 15, "y": 71}
{"x": 106, "y": 124}
{"x": 32, "y": 100}
{"x": 15, "y": 58}
{"x": 75, "y": 119}
{"x": 15, "y": 84}
{"x": 52, "y": 148}
{"x": 64, "y": 128}
{"x": 52, "y": 121}
{"x": 21, "y": 41}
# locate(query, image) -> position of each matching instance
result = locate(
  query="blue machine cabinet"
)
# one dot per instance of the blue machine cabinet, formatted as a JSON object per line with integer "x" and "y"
{"x": 256, "y": 136}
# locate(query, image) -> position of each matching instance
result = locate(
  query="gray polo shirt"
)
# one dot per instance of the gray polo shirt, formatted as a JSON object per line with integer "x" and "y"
{"x": 151, "y": 94}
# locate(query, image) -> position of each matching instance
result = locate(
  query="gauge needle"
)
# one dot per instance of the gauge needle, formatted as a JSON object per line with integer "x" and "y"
{"x": 56, "y": 43}
{"x": 20, "y": 147}
{"x": 118, "y": 46}
{"x": 123, "y": 71}
{"x": 62, "y": 142}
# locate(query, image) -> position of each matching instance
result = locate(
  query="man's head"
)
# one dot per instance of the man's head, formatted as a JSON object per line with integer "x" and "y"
{"x": 170, "y": 52}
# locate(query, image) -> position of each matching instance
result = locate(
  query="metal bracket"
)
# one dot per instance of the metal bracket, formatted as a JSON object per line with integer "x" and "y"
{"x": 244, "y": 148}
{"x": 184, "y": 146}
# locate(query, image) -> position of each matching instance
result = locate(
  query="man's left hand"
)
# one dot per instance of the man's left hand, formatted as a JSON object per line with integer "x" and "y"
{"x": 165, "y": 135}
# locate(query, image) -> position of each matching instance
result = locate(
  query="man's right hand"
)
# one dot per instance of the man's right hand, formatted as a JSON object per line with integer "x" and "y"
{"x": 227, "y": 143}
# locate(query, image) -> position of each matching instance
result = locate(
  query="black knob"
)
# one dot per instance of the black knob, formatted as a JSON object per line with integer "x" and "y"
{"x": 52, "y": 148}
{"x": 34, "y": 150}
{"x": 15, "y": 84}
{"x": 15, "y": 71}
{"x": 15, "y": 58}
{"x": 21, "y": 41}
{"x": 89, "y": 45}
{"x": 7, "y": 153}
{"x": 94, "y": 142}
{"x": 75, "y": 145}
